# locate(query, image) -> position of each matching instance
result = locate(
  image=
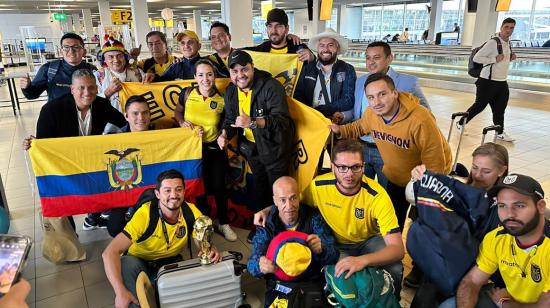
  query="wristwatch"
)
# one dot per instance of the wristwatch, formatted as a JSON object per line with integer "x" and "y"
{"x": 253, "y": 125}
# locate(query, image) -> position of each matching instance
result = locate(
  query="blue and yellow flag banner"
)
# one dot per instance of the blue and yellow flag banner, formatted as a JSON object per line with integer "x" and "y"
{"x": 91, "y": 174}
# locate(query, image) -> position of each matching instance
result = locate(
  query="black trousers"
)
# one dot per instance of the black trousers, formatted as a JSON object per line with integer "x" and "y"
{"x": 400, "y": 203}
{"x": 263, "y": 177}
{"x": 214, "y": 171}
{"x": 492, "y": 93}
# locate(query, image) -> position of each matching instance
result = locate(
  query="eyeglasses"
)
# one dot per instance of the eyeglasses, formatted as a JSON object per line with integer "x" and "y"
{"x": 67, "y": 48}
{"x": 354, "y": 168}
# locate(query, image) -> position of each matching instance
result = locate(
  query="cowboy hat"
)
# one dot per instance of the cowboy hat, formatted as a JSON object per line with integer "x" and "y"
{"x": 330, "y": 33}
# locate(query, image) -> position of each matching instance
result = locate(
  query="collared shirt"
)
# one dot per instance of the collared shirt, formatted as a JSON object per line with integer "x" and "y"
{"x": 84, "y": 125}
{"x": 318, "y": 97}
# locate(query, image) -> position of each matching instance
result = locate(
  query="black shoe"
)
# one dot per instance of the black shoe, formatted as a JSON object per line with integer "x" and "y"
{"x": 91, "y": 224}
{"x": 250, "y": 236}
{"x": 414, "y": 278}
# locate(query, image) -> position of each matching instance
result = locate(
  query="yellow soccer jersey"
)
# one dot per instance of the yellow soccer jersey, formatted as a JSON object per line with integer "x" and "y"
{"x": 204, "y": 112}
{"x": 155, "y": 247}
{"x": 156, "y": 68}
{"x": 353, "y": 219}
{"x": 526, "y": 273}
{"x": 279, "y": 50}
{"x": 245, "y": 103}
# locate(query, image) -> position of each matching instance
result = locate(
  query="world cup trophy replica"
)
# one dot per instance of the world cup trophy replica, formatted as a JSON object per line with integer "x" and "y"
{"x": 203, "y": 233}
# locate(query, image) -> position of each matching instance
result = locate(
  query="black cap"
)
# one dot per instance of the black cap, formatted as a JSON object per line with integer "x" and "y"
{"x": 240, "y": 57}
{"x": 277, "y": 15}
{"x": 523, "y": 184}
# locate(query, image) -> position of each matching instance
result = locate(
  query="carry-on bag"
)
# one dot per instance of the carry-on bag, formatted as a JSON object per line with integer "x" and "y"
{"x": 190, "y": 284}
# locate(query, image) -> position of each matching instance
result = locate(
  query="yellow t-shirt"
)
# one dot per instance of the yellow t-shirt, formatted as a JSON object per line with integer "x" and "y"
{"x": 245, "y": 103}
{"x": 525, "y": 273}
{"x": 353, "y": 219}
{"x": 279, "y": 50}
{"x": 204, "y": 112}
{"x": 157, "y": 68}
{"x": 155, "y": 246}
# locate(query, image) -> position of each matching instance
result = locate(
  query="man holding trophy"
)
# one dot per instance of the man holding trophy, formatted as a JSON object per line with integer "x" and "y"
{"x": 134, "y": 250}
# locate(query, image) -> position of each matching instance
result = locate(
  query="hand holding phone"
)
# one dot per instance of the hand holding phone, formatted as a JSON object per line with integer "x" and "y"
{"x": 14, "y": 251}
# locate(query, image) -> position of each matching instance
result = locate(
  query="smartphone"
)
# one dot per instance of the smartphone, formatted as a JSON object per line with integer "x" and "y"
{"x": 14, "y": 251}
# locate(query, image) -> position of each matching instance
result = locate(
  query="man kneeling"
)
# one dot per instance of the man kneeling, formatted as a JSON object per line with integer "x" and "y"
{"x": 148, "y": 254}
{"x": 288, "y": 215}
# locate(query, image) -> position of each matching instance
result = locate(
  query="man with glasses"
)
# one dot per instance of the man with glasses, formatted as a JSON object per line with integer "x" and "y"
{"x": 519, "y": 249}
{"x": 55, "y": 77}
{"x": 405, "y": 133}
{"x": 359, "y": 212}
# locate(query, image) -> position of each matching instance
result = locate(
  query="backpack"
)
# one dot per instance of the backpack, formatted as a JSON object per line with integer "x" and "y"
{"x": 148, "y": 195}
{"x": 474, "y": 68}
{"x": 52, "y": 69}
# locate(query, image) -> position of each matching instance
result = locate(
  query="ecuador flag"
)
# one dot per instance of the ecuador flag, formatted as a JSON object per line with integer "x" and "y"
{"x": 91, "y": 174}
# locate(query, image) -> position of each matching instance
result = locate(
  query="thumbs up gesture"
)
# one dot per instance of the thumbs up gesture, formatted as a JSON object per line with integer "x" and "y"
{"x": 243, "y": 120}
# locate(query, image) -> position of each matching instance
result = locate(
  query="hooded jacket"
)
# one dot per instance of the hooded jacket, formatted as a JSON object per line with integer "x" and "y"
{"x": 412, "y": 138}
{"x": 274, "y": 141}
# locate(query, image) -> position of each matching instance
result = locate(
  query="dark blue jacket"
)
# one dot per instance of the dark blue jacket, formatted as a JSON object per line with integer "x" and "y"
{"x": 179, "y": 70}
{"x": 310, "y": 222}
{"x": 266, "y": 46}
{"x": 342, "y": 87}
{"x": 59, "y": 85}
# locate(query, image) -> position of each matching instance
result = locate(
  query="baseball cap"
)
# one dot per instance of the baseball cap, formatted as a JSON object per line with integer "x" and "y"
{"x": 277, "y": 15}
{"x": 189, "y": 33}
{"x": 523, "y": 184}
{"x": 289, "y": 251}
{"x": 240, "y": 57}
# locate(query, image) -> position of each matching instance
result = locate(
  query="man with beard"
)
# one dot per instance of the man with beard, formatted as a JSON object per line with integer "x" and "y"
{"x": 279, "y": 40}
{"x": 519, "y": 250}
{"x": 359, "y": 212}
{"x": 132, "y": 252}
{"x": 328, "y": 84}
{"x": 256, "y": 109}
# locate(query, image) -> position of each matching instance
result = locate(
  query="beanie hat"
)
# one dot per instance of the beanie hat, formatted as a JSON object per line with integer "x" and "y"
{"x": 289, "y": 251}
{"x": 115, "y": 46}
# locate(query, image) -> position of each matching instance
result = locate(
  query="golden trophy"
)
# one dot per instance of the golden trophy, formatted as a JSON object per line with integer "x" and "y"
{"x": 203, "y": 232}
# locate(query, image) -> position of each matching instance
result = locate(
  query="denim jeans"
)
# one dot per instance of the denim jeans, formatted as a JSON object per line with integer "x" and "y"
{"x": 371, "y": 245}
{"x": 483, "y": 301}
{"x": 374, "y": 164}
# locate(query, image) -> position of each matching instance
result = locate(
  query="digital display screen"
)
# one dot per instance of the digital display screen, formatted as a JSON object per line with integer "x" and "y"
{"x": 11, "y": 255}
{"x": 36, "y": 45}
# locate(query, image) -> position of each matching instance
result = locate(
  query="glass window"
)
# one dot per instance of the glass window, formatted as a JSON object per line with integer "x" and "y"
{"x": 372, "y": 23}
{"x": 521, "y": 12}
{"x": 540, "y": 31}
{"x": 452, "y": 12}
{"x": 333, "y": 22}
{"x": 417, "y": 20}
{"x": 393, "y": 19}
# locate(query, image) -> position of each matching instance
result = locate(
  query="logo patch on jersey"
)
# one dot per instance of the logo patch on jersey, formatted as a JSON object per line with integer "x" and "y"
{"x": 341, "y": 76}
{"x": 359, "y": 213}
{"x": 510, "y": 179}
{"x": 213, "y": 105}
{"x": 181, "y": 232}
{"x": 536, "y": 274}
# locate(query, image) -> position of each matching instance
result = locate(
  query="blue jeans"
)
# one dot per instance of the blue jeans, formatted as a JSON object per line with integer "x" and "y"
{"x": 483, "y": 301}
{"x": 374, "y": 164}
{"x": 371, "y": 245}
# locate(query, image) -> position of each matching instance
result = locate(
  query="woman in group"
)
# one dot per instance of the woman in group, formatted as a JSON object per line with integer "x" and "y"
{"x": 201, "y": 107}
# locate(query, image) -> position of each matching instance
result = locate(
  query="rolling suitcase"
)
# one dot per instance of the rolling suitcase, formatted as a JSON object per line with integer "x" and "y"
{"x": 190, "y": 284}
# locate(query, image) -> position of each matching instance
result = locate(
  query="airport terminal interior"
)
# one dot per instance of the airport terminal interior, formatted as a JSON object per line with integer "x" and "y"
{"x": 30, "y": 33}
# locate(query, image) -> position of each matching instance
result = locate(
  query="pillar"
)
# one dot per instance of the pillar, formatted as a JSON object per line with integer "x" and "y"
{"x": 76, "y": 23}
{"x": 141, "y": 22}
{"x": 349, "y": 21}
{"x": 198, "y": 23}
{"x": 237, "y": 14}
{"x": 317, "y": 26}
{"x": 435, "y": 18}
{"x": 88, "y": 26}
{"x": 104, "y": 13}
{"x": 485, "y": 22}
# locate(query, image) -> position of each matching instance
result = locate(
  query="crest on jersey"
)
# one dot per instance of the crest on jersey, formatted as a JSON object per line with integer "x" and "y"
{"x": 181, "y": 232}
{"x": 125, "y": 170}
{"x": 359, "y": 213}
{"x": 536, "y": 274}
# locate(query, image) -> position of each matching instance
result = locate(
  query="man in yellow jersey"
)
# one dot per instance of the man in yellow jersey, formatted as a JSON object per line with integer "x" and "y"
{"x": 288, "y": 215}
{"x": 148, "y": 252}
{"x": 519, "y": 249}
{"x": 220, "y": 39}
{"x": 359, "y": 212}
{"x": 256, "y": 109}
{"x": 279, "y": 39}
{"x": 405, "y": 133}
{"x": 160, "y": 60}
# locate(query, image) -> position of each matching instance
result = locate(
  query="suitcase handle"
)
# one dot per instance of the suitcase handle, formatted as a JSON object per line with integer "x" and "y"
{"x": 459, "y": 114}
{"x": 496, "y": 128}
{"x": 238, "y": 256}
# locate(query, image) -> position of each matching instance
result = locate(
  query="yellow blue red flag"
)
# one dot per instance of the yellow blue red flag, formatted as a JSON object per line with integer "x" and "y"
{"x": 91, "y": 174}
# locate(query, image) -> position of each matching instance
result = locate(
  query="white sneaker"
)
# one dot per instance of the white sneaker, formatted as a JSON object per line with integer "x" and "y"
{"x": 228, "y": 233}
{"x": 505, "y": 137}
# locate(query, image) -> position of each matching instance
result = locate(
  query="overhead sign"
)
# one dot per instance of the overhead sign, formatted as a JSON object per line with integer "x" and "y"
{"x": 121, "y": 16}
{"x": 59, "y": 16}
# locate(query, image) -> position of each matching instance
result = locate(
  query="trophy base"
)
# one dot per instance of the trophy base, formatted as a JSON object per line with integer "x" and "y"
{"x": 205, "y": 260}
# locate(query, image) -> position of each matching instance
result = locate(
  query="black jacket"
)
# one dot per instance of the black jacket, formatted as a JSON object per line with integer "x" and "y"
{"x": 274, "y": 141}
{"x": 58, "y": 118}
{"x": 342, "y": 87}
{"x": 266, "y": 46}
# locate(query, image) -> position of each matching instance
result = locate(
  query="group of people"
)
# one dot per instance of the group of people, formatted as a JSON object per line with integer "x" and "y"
{"x": 353, "y": 216}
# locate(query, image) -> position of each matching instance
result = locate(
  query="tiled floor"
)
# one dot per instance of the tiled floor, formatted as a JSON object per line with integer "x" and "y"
{"x": 84, "y": 284}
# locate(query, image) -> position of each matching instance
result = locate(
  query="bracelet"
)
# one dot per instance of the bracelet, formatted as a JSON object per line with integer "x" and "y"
{"x": 501, "y": 301}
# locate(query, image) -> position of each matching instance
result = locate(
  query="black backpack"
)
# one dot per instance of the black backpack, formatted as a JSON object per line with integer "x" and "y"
{"x": 148, "y": 195}
{"x": 474, "y": 68}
